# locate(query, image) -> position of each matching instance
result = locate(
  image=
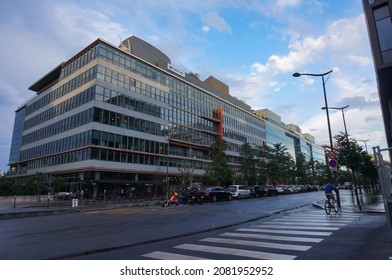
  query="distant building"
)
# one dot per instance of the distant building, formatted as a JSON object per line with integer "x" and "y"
{"x": 379, "y": 24}
{"x": 113, "y": 118}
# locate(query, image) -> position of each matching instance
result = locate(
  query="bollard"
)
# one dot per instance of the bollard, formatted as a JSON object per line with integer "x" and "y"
{"x": 14, "y": 201}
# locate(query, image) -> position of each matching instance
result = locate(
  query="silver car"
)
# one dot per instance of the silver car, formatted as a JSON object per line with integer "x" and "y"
{"x": 239, "y": 191}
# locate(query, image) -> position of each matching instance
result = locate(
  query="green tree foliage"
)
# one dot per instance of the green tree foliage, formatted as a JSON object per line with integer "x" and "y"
{"x": 352, "y": 156}
{"x": 185, "y": 176}
{"x": 219, "y": 171}
{"x": 59, "y": 184}
{"x": 248, "y": 164}
{"x": 277, "y": 165}
{"x": 7, "y": 186}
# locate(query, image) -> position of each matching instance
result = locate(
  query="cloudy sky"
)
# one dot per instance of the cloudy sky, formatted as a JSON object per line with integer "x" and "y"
{"x": 254, "y": 46}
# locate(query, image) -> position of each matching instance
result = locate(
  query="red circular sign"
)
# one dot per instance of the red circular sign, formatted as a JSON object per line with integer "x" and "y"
{"x": 332, "y": 154}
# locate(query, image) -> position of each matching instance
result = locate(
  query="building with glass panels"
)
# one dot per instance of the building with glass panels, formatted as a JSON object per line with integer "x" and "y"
{"x": 113, "y": 118}
{"x": 379, "y": 23}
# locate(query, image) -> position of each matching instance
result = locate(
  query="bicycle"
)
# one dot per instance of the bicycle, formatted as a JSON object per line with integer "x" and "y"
{"x": 330, "y": 205}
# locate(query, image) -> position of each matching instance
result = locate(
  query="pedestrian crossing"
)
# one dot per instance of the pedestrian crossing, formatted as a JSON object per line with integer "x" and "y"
{"x": 280, "y": 238}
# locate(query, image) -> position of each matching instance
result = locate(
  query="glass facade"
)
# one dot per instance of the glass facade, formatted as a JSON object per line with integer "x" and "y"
{"x": 382, "y": 17}
{"x": 111, "y": 119}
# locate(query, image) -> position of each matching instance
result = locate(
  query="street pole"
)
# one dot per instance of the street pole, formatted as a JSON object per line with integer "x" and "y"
{"x": 325, "y": 99}
{"x": 327, "y": 112}
{"x": 348, "y": 148}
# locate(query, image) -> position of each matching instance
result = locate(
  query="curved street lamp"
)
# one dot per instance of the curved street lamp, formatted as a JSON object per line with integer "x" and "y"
{"x": 344, "y": 119}
{"x": 325, "y": 99}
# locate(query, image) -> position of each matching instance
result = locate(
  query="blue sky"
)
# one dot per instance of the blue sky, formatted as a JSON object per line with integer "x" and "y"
{"x": 253, "y": 46}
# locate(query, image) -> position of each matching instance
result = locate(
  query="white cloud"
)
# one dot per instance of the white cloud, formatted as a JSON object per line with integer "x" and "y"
{"x": 215, "y": 21}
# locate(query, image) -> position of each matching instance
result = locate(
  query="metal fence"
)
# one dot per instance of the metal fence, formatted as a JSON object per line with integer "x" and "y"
{"x": 384, "y": 176}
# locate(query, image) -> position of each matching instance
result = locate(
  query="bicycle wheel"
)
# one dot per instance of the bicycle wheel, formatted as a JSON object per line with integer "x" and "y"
{"x": 335, "y": 207}
{"x": 327, "y": 207}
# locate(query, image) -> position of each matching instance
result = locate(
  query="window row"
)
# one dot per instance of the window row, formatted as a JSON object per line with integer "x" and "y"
{"x": 112, "y": 140}
{"x": 128, "y": 122}
{"x": 136, "y": 158}
{"x": 74, "y": 121}
{"x": 128, "y": 102}
{"x": 68, "y": 105}
{"x": 76, "y": 82}
{"x": 114, "y": 156}
{"x": 78, "y": 62}
{"x": 76, "y": 141}
{"x": 131, "y": 84}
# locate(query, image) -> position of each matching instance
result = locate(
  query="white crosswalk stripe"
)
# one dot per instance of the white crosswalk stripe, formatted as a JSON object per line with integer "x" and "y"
{"x": 296, "y": 227}
{"x": 170, "y": 256}
{"x": 236, "y": 252}
{"x": 258, "y": 244}
{"x": 295, "y": 232}
{"x": 274, "y": 239}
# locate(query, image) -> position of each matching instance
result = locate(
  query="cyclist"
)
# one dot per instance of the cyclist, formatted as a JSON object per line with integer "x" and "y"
{"x": 328, "y": 192}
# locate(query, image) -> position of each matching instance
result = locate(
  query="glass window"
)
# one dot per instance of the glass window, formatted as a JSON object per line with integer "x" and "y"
{"x": 381, "y": 12}
{"x": 384, "y": 31}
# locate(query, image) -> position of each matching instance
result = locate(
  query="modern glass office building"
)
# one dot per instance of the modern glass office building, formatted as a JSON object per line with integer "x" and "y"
{"x": 378, "y": 15}
{"x": 114, "y": 117}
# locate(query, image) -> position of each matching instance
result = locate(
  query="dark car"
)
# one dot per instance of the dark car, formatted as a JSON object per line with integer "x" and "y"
{"x": 215, "y": 194}
{"x": 263, "y": 190}
{"x": 256, "y": 191}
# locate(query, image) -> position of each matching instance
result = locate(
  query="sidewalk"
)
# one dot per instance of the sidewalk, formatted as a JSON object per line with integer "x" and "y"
{"x": 370, "y": 203}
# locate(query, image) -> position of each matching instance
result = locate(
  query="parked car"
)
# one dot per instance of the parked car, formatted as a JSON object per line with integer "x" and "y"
{"x": 269, "y": 190}
{"x": 256, "y": 191}
{"x": 288, "y": 189}
{"x": 215, "y": 194}
{"x": 280, "y": 189}
{"x": 64, "y": 196}
{"x": 262, "y": 190}
{"x": 239, "y": 191}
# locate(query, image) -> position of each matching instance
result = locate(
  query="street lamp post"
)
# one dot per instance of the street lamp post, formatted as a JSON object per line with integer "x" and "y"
{"x": 365, "y": 144}
{"x": 348, "y": 147}
{"x": 326, "y": 110}
{"x": 325, "y": 99}
{"x": 344, "y": 119}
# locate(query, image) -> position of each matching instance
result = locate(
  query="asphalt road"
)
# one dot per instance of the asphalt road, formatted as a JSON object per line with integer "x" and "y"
{"x": 190, "y": 231}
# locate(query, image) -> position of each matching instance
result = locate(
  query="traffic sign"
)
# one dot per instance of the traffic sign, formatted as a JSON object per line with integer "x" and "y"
{"x": 332, "y": 163}
{"x": 332, "y": 154}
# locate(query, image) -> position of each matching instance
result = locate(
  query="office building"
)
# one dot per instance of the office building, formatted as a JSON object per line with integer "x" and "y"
{"x": 379, "y": 24}
{"x": 113, "y": 118}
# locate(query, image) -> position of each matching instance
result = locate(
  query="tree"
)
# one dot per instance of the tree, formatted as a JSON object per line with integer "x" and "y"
{"x": 264, "y": 156}
{"x": 248, "y": 164}
{"x": 6, "y": 186}
{"x": 59, "y": 184}
{"x": 322, "y": 174}
{"x": 186, "y": 173}
{"x": 280, "y": 167}
{"x": 303, "y": 170}
{"x": 354, "y": 158}
{"x": 219, "y": 171}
